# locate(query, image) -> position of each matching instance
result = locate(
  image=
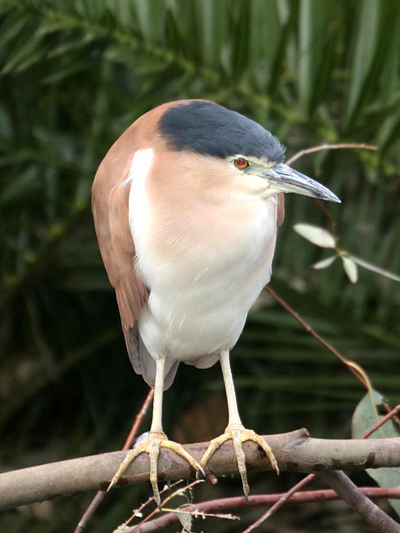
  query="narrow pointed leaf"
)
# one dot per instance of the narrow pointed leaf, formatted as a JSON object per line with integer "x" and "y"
{"x": 305, "y": 51}
{"x": 316, "y": 235}
{"x": 350, "y": 268}
{"x": 324, "y": 263}
{"x": 364, "y": 51}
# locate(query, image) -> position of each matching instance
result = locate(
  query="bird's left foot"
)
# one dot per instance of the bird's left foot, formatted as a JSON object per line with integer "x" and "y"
{"x": 151, "y": 443}
{"x": 238, "y": 434}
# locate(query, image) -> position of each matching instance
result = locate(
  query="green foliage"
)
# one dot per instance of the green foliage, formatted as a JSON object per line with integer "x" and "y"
{"x": 365, "y": 416}
{"x": 74, "y": 75}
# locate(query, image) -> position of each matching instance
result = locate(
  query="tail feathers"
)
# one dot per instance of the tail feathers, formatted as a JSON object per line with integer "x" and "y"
{"x": 205, "y": 361}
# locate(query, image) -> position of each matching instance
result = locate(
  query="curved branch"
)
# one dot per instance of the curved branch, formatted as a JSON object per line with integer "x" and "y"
{"x": 295, "y": 452}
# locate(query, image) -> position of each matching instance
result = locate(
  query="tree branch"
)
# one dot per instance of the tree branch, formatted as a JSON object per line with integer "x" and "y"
{"x": 350, "y": 365}
{"x": 362, "y": 505}
{"x": 295, "y": 452}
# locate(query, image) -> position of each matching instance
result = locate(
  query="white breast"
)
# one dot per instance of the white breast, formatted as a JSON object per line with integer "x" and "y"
{"x": 207, "y": 273}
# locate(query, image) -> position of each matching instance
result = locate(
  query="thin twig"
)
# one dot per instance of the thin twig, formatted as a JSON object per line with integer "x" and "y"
{"x": 138, "y": 420}
{"x": 90, "y": 510}
{"x": 137, "y": 513}
{"x": 94, "y": 504}
{"x": 391, "y": 415}
{"x": 353, "y": 367}
{"x": 330, "y": 217}
{"x": 340, "y": 146}
{"x": 395, "y": 418}
{"x": 137, "y": 528}
{"x": 258, "y": 500}
{"x": 281, "y": 501}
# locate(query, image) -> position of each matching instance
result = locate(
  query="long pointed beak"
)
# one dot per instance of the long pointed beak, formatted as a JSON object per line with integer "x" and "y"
{"x": 287, "y": 179}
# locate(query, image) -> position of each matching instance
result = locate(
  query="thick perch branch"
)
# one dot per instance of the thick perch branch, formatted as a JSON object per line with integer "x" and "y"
{"x": 295, "y": 452}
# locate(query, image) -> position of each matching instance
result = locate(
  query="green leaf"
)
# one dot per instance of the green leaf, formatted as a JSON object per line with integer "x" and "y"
{"x": 212, "y": 24}
{"x": 241, "y": 43}
{"x": 305, "y": 50}
{"x": 66, "y": 71}
{"x": 364, "y": 417}
{"x": 26, "y": 49}
{"x": 366, "y": 38}
{"x": 66, "y": 46}
{"x": 11, "y": 27}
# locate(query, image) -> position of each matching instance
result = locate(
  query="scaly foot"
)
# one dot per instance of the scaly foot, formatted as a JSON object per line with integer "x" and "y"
{"x": 151, "y": 445}
{"x": 238, "y": 434}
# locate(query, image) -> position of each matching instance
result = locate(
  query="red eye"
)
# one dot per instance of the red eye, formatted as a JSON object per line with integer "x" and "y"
{"x": 241, "y": 163}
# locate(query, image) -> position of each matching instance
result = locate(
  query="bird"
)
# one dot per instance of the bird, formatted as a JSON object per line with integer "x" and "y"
{"x": 186, "y": 206}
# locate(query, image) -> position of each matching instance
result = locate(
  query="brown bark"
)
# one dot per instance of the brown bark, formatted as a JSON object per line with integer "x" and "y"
{"x": 295, "y": 452}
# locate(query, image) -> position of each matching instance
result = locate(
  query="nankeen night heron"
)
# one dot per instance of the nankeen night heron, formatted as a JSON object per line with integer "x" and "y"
{"x": 186, "y": 205}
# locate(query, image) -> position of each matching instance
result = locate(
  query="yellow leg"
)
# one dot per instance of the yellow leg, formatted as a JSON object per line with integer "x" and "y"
{"x": 154, "y": 440}
{"x": 235, "y": 430}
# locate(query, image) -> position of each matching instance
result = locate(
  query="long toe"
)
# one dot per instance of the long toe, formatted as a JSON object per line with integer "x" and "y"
{"x": 180, "y": 450}
{"x": 238, "y": 435}
{"x": 151, "y": 445}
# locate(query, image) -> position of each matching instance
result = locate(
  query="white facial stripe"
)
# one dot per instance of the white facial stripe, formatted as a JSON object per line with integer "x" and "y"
{"x": 238, "y": 156}
{"x": 140, "y": 166}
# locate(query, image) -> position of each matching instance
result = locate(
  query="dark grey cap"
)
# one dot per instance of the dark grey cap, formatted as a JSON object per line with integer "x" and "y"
{"x": 211, "y": 129}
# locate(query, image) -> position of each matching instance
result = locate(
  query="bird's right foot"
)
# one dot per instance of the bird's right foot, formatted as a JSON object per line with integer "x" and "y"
{"x": 151, "y": 445}
{"x": 238, "y": 435}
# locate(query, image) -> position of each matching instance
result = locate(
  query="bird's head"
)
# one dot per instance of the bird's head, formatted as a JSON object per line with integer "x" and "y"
{"x": 237, "y": 146}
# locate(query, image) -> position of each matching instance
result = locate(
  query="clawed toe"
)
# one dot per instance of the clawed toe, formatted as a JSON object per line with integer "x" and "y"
{"x": 151, "y": 445}
{"x": 238, "y": 435}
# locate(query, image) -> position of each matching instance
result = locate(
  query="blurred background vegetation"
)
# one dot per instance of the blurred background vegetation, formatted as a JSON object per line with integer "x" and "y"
{"x": 74, "y": 75}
